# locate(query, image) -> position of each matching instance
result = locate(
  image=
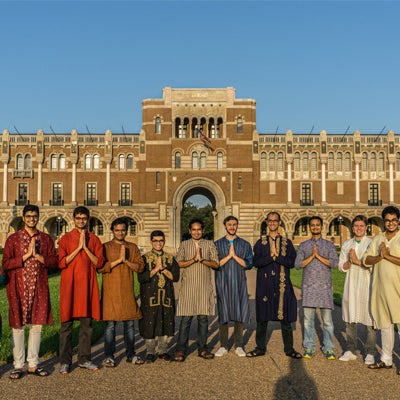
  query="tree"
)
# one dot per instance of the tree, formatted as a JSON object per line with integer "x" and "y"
{"x": 190, "y": 211}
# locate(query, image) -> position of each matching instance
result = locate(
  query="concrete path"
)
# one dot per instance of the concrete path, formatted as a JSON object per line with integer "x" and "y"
{"x": 273, "y": 376}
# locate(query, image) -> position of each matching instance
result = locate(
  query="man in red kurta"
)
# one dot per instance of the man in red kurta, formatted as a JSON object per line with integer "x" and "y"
{"x": 80, "y": 254}
{"x": 27, "y": 254}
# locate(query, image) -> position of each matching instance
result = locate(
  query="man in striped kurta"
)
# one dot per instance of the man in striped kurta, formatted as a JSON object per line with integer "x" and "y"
{"x": 235, "y": 257}
{"x": 196, "y": 258}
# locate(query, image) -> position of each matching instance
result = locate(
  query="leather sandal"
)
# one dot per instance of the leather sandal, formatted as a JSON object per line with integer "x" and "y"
{"x": 379, "y": 365}
{"x": 206, "y": 354}
{"x": 179, "y": 356}
{"x": 294, "y": 354}
{"x": 255, "y": 353}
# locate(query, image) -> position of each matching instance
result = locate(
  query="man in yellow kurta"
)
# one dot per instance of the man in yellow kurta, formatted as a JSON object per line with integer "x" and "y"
{"x": 384, "y": 254}
{"x": 118, "y": 301}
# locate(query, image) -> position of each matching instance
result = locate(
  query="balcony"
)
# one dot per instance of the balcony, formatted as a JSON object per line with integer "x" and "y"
{"x": 124, "y": 203}
{"x": 306, "y": 203}
{"x": 22, "y": 173}
{"x": 21, "y": 202}
{"x": 56, "y": 202}
{"x": 375, "y": 203}
{"x": 91, "y": 202}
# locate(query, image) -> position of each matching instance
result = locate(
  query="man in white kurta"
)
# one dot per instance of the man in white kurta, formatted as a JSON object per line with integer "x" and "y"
{"x": 356, "y": 293}
{"x": 384, "y": 254}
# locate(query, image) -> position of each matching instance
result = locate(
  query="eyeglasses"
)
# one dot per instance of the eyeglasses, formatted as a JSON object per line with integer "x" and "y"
{"x": 158, "y": 241}
{"x": 391, "y": 221}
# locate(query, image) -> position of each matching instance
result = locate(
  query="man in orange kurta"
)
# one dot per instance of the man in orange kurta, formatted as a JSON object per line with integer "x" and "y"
{"x": 118, "y": 300}
{"x": 80, "y": 254}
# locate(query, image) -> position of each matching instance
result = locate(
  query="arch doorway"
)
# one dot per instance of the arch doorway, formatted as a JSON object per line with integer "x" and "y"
{"x": 214, "y": 196}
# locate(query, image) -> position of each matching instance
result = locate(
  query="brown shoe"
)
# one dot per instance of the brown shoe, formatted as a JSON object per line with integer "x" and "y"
{"x": 379, "y": 365}
{"x": 206, "y": 354}
{"x": 179, "y": 356}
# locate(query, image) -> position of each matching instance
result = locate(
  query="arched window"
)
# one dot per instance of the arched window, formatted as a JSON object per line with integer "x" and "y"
{"x": 218, "y": 128}
{"x": 339, "y": 164}
{"x": 96, "y": 161}
{"x": 331, "y": 165}
{"x": 195, "y": 160}
{"x": 158, "y": 125}
{"x": 53, "y": 162}
{"x": 27, "y": 162}
{"x": 296, "y": 165}
{"x": 177, "y": 160}
{"x": 263, "y": 162}
{"x": 130, "y": 161}
{"x": 306, "y": 167}
{"x": 347, "y": 163}
{"x": 239, "y": 127}
{"x": 372, "y": 165}
{"x": 62, "y": 164}
{"x": 280, "y": 166}
{"x": 203, "y": 160}
{"x": 364, "y": 165}
{"x": 88, "y": 162}
{"x": 381, "y": 165}
{"x": 20, "y": 162}
{"x": 314, "y": 165}
{"x": 220, "y": 160}
{"x": 121, "y": 162}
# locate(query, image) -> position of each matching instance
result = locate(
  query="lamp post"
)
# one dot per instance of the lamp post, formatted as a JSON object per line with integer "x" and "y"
{"x": 340, "y": 220}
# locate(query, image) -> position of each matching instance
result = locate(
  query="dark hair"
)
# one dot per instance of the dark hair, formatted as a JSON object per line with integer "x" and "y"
{"x": 360, "y": 218}
{"x": 30, "y": 207}
{"x": 81, "y": 210}
{"x": 119, "y": 221}
{"x": 390, "y": 210}
{"x": 196, "y": 221}
{"x": 157, "y": 233}
{"x": 230, "y": 218}
{"x": 273, "y": 213}
{"x": 315, "y": 217}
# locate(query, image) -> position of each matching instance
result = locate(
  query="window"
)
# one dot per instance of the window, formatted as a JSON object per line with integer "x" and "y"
{"x": 132, "y": 227}
{"x": 91, "y": 194}
{"x": 158, "y": 179}
{"x": 263, "y": 162}
{"x": 19, "y": 162}
{"x": 121, "y": 162}
{"x": 314, "y": 165}
{"x": 296, "y": 165}
{"x": 195, "y": 160}
{"x": 280, "y": 166}
{"x": 56, "y": 194}
{"x": 220, "y": 160}
{"x": 27, "y": 162}
{"x": 331, "y": 165}
{"x": 177, "y": 160}
{"x": 53, "y": 162}
{"x": 239, "y": 183}
{"x": 62, "y": 164}
{"x": 158, "y": 125}
{"x": 239, "y": 126}
{"x": 22, "y": 194}
{"x": 88, "y": 162}
{"x": 203, "y": 160}
{"x": 96, "y": 161}
{"x": 306, "y": 199}
{"x": 271, "y": 165}
{"x": 374, "y": 195}
{"x": 364, "y": 165}
{"x": 381, "y": 165}
{"x": 125, "y": 196}
{"x": 347, "y": 164}
{"x": 129, "y": 161}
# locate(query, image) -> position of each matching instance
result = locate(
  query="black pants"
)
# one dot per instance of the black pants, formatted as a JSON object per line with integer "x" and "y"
{"x": 84, "y": 345}
{"x": 287, "y": 336}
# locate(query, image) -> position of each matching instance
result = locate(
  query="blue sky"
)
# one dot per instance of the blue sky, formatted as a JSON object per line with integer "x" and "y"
{"x": 309, "y": 65}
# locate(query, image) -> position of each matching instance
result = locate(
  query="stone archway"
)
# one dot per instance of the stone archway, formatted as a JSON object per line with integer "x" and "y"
{"x": 207, "y": 188}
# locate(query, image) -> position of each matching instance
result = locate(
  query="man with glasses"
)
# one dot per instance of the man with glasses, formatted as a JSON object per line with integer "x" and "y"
{"x": 384, "y": 255}
{"x": 356, "y": 292}
{"x": 27, "y": 255}
{"x": 80, "y": 254}
{"x": 274, "y": 256}
{"x": 118, "y": 301}
{"x": 158, "y": 298}
{"x": 317, "y": 257}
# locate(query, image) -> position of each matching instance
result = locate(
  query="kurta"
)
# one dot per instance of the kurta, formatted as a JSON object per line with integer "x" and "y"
{"x": 157, "y": 297}
{"x": 27, "y": 283}
{"x": 231, "y": 282}
{"x": 385, "y": 296}
{"x": 275, "y": 298}
{"x": 196, "y": 294}
{"x": 118, "y": 300}
{"x": 317, "y": 289}
{"x": 79, "y": 290}
{"x": 357, "y": 286}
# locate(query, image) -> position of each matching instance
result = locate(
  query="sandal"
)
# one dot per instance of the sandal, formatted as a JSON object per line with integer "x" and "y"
{"x": 38, "y": 372}
{"x": 294, "y": 354}
{"x": 206, "y": 354}
{"x": 137, "y": 360}
{"x": 109, "y": 363}
{"x": 255, "y": 353}
{"x": 16, "y": 374}
{"x": 179, "y": 356}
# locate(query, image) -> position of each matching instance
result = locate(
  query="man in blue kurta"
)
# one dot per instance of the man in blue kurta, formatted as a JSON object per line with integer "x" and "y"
{"x": 235, "y": 257}
{"x": 274, "y": 256}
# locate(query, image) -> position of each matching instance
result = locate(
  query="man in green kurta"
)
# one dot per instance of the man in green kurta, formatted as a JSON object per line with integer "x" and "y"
{"x": 158, "y": 298}
{"x": 384, "y": 254}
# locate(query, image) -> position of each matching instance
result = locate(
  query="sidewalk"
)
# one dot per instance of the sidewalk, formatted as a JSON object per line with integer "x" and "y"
{"x": 273, "y": 376}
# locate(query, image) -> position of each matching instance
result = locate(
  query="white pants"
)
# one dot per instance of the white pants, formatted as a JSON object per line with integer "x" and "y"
{"x": 18, "y": 336}
{"x": 387, "y": 335}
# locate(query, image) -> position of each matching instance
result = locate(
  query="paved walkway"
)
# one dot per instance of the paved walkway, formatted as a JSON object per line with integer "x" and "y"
{"x": 273, "y": 376}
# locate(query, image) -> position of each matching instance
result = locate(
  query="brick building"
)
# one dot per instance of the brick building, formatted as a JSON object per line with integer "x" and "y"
{"x": 199, "y": 141}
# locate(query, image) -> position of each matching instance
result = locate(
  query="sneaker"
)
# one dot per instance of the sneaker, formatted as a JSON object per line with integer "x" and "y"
{"x": 369, "y": 359}
{"x": 221, "y": 352}
{"x": 240, "y": 352}
{"x": 109, "y": 362}
{"x": 308, "y": 353}
{"x": 349, "y": 356}
{"x": 329, "y": 355}
{"x": 89, "y": 365}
